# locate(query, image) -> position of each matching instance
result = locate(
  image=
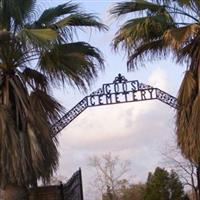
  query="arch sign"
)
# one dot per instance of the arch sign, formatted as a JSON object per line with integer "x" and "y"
{"x": 119, "y": 91}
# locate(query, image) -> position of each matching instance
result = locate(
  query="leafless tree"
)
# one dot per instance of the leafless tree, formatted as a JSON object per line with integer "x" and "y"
{"x": 109, "y": 173}
{"x": 187, "y": 170}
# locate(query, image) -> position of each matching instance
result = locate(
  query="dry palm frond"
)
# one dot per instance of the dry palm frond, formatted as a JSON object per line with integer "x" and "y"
{"x": 191, "y": 52}
{"x": 46, "y": 105}
{"x": 148, "y": 51}
{"x": 33, "y": 145}
{"x": 188, "y": 89}
{"x": 43, "y": 151}
{"x": 178, "y": 37}
{"x": 9, "y": 147}
{"x": 186, "y": 98}
{"x": 194, "y": 132}
{"x": 35, "y": 79}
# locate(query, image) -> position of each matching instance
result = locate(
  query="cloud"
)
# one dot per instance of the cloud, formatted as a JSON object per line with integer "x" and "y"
{"x": 159, "y": 79}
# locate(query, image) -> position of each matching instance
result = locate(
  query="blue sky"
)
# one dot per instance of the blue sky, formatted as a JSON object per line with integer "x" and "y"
{"x": 138, "y": 132}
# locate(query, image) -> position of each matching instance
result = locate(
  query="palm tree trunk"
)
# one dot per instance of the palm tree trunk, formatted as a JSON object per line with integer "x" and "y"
{"x": 14, "y": 192}
{"x": 198, "y": 181}
{"x": 195, "y": 194}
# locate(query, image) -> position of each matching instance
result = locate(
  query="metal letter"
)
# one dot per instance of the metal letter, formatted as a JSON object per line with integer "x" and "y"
{"x": 92, "y": 102}
{"x": 116, "y": 88}
{"x": 117, "y": 98}
{"x": 108, "y": 98}
{"x": 124, "y": 87}
{"x": 143, "y": 97}
{"x": 151, "y": 92}
{"x": 100, "y": 100}
{"x": 107, "y": 88}
{"x": 134, "y": 96}
{"x": 134, "y": 87}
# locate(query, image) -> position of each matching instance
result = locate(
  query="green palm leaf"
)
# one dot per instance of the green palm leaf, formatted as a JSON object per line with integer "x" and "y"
{"x": 38, "y": 37}
{"x": 132, "y": 6}
{"x": 77, "y": 63}
{"x": 51, "y": 15}
{"x": 148, "y": 51}
{"x": 15, "y": 12}
{"x": 139, "y": 37}
{"x": 82, "y": 20}
{"x": 144, "y": 29}
{"x": 35, "y": 79}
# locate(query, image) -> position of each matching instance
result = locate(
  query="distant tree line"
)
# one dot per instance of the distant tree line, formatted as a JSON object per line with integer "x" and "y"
{"x": 113, "y": 184}
{"x": 160, "y": 185}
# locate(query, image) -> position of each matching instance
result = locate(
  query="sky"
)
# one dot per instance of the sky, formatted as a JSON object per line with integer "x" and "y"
{"x": 138, "y": 132}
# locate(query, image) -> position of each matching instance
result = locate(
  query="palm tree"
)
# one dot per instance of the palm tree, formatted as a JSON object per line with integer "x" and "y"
{"x": 161, "y": 28}
{"x": 37, "y": 52}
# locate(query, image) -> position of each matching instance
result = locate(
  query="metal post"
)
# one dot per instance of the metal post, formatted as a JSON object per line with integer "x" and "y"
{"x": 61, "y": 191}
{"x": 81, "y": 185}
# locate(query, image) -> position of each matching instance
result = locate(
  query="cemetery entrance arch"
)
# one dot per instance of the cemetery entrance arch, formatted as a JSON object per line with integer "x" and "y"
{"x": 119, "y": 91}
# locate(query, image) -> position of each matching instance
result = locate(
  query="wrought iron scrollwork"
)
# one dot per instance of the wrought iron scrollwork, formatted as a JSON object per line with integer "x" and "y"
{"x": 98, "y": 92}
{"x": 166, "y": 98}
{"x": 120, "y": 79}
{"x": 120, "y": 91}
{"x": 69, "y": 116}
{"x": 143, "y": 86}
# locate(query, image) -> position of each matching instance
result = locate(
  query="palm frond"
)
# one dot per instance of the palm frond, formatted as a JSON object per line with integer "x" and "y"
{"x": 188, "y": 89}
{"x": 169, "y": 2}
{"x": 34, "y": 144}
{"x": 38, "y": 37}
{"x": 40, "y": 138}
{"x": 78, "y": 63}
{"x": 8, "y": 143}
{"x": 136, "y": 31}
{"x": 11, "y": 54}
{"x": 197, "y": 5}
{"x": 43, "y": 153}
{"x": 20, "y": 10}
{"x": 190, "y": 53}
{"x": 16, "y": 12}
{"x": 21, "y": 91}
{"x": 149, "y": 51}
{"x": 35, "y": 79}
{"x": 188, "y": 4}
{"x": 194, "y": 130}
{"x": 46, "y": 105}
{"x": 80, "y": 20}
{"x": 192, "y": 5}
{"x": 186, "y": 98}
{"x": 133, "y": 6}
{"x": 51, "y": 15}
{"x": 178, "y": 37}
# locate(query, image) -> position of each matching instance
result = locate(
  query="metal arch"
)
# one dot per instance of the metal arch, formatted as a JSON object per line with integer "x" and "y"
{"x": 119, "y": 91}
